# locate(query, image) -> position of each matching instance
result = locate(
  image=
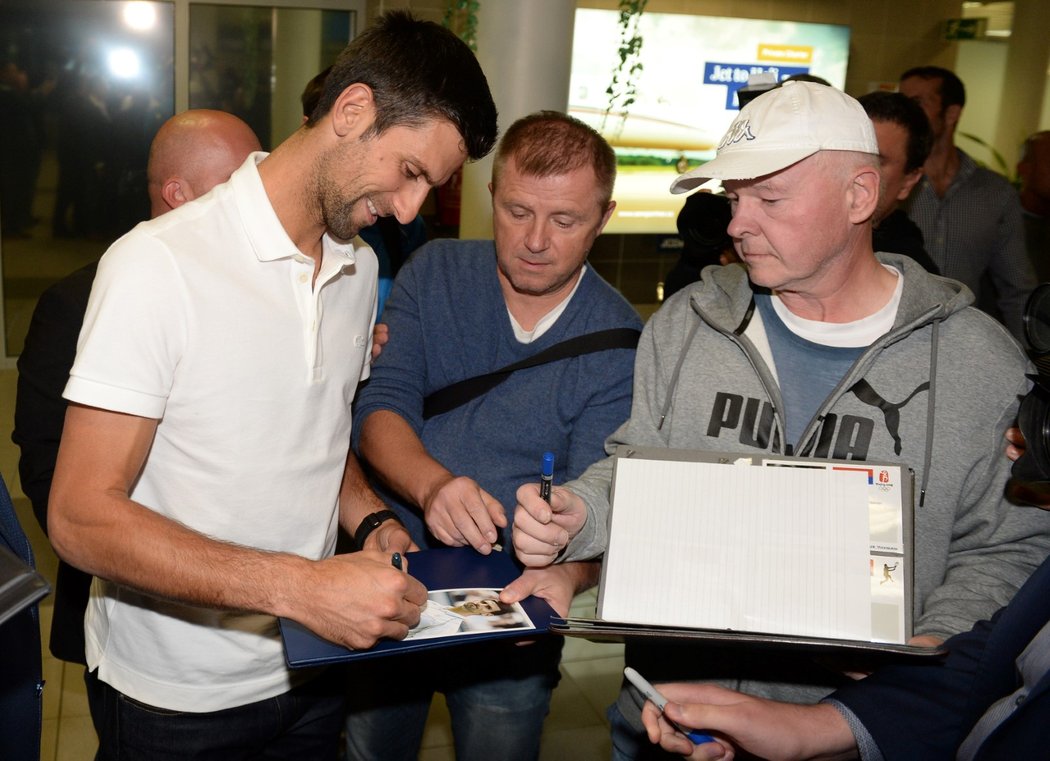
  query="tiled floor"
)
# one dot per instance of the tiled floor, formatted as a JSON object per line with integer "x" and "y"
{"x": 575, "y": 729}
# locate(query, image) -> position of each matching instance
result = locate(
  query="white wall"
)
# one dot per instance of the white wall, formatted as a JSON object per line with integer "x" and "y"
{"x": 982, "y": 68}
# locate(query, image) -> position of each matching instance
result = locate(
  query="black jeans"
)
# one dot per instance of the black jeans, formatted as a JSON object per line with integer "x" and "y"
{"x": 301, "y": 725}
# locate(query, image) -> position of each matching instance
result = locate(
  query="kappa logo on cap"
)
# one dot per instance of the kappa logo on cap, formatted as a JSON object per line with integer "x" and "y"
{"x": 740, "y": 130}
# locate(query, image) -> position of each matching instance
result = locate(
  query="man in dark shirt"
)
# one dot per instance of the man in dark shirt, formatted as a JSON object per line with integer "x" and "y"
{"x": 904, "y": 137}
{"x": 969, "y": 215}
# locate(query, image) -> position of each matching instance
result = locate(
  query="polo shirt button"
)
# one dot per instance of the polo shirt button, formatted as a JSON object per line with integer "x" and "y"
{"x": 303, "y": 277}
{"x": 1019, "y": 699}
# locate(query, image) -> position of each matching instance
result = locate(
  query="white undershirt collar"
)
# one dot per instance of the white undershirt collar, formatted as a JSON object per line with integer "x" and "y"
{"x": 544, "y": 323}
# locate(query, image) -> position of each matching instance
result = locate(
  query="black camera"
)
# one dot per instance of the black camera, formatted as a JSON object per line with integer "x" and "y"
{"x": 1030, "y": 477}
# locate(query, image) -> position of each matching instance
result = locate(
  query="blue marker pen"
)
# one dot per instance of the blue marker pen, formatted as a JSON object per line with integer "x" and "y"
{"x": 658, "y": 700}
{"x": 547, "y": 476}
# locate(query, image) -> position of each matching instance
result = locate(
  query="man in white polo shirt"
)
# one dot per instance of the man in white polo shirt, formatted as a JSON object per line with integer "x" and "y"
{"x": 205, "y": 459}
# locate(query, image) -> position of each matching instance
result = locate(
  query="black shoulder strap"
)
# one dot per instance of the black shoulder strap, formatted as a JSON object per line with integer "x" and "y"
{"x": 452, "y": 396}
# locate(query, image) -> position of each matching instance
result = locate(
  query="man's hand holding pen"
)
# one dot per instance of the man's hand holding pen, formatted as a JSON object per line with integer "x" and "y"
{"x": 542, "y": 530}
{"x": 355, "y": 599}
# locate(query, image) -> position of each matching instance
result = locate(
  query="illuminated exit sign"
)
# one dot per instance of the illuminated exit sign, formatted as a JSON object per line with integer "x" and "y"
{"x": 965, "y": 28}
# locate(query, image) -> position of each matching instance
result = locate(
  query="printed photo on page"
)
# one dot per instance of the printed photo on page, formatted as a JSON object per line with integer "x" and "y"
{"x": 451, "y": 612}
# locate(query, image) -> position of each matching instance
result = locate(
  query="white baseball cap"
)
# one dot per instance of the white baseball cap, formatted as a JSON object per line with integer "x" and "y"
{"x": 780, "y": 128}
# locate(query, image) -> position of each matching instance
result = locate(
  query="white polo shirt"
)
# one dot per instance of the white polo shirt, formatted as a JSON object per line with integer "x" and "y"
{"x": 207, "y": 320}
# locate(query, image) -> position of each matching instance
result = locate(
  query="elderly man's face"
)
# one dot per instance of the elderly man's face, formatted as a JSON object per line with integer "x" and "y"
{"x": 791, "y": 226}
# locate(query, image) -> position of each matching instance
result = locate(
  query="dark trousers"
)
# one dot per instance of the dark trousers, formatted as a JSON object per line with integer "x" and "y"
{"x": 302, "y": 724}
{"x": 498, "y": 695}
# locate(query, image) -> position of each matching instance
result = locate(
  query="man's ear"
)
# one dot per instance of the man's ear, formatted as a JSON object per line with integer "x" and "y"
{"x": 353, "y": 111}
{"x": 910, "y": 180}
{"x": 176, "y": 191}
{"x": 863, "y": 195}
{"x": 607, "y": 215}
{"x": 952, "y": 114}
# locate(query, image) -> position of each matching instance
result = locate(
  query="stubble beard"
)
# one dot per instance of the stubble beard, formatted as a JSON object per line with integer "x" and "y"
{"x": 337, "y": 213}
{"x": 336, "y": 209}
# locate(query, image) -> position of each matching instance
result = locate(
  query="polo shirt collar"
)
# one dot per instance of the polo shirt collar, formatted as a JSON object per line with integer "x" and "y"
{"x": 266, "y": 234}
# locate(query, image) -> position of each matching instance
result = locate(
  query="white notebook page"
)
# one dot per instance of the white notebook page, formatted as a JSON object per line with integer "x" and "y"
{"x": 705, "y": 545}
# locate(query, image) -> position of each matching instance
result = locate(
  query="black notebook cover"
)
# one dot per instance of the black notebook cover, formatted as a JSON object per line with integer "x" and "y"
{"x": 20, "y": 585}
{"x": 452, "y": 568}
{"x": 597, "y": 630}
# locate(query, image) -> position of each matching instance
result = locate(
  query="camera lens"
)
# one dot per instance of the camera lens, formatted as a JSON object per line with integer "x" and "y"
{"x": 1037, "y": 319}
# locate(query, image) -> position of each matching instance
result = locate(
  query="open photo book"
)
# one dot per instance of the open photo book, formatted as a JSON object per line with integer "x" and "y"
{"x": 757, "y": 550}
{"x": 462, "y": 606}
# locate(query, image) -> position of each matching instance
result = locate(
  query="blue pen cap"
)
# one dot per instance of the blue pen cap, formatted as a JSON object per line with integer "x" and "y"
{"x": 548, "y": 464}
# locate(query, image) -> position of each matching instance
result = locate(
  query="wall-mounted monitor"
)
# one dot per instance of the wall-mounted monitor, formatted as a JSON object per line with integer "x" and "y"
{"x": 686, "y": 94}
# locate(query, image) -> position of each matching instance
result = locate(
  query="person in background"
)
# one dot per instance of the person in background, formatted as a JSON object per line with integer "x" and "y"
{"x": 449, "y": 461}
{"x": 204, "y": 466}
{"x": 20, "y": 149}
{"x": 702, "y": 226}
{"x": 969, "y": 216}
{"x": 1033, "y": 169}
{"x": 807, "y": 77}
{"x": 904, "y": 138}
{"x": 819, "y": 348}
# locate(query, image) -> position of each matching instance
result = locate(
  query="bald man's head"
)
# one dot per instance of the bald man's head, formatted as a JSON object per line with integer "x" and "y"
{"x": 193, "y": 152}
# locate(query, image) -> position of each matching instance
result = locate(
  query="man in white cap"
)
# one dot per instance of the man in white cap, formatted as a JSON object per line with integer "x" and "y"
{"x": 817, "y": 347}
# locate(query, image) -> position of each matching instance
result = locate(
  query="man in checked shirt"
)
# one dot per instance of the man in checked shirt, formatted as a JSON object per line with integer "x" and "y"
{"x": 970, "y": 217}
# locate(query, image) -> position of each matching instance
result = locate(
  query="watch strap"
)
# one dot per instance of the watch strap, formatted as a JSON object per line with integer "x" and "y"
{"x": 371, "y": 522}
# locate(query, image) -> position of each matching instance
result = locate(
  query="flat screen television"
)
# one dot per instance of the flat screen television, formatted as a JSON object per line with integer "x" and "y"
{"x": 685, "y": 99}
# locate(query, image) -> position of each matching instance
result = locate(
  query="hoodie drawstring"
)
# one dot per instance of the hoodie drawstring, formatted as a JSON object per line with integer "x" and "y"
{"x": 934, "y": 341}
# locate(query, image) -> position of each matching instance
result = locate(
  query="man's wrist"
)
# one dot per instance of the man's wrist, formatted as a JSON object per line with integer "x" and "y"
{"x": 587, "y": 574}
{"x": 371, "y": 522}
{"x": 288, "y": 573}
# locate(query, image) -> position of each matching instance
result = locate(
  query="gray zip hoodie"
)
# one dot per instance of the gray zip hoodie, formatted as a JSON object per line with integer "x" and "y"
{"x": 936, "y": 393}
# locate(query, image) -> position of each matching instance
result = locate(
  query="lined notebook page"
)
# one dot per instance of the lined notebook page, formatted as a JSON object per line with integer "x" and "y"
{"x": 705, "y": 545}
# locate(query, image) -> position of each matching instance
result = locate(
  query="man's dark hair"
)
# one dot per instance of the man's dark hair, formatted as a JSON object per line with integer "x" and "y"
{"x": 549, "y": 143}
{"x": 951, "y": 88}
{"x": 312, "y": 92}
{"x": 807, "y": 78}
{"x": 899, "y": 109}
{"x": 418, "y": 71}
